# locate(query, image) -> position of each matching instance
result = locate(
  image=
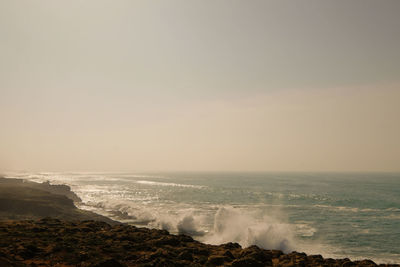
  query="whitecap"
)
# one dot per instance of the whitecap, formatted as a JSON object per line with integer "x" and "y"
{"x": 168, "y": 184}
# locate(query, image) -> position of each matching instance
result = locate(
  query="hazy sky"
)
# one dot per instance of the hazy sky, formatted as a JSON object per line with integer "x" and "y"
{"x": 99, "y": 85}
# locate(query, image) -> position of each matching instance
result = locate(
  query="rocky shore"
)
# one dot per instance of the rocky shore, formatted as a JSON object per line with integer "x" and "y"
{"x": 25, "y": 200}
{"x": 41, "y": 226}
{"x": 52, "y": 242}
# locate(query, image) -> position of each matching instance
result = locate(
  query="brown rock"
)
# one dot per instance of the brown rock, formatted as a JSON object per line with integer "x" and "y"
{"x": 365, "y": 263}
{"x": 109, "y": 263}
{"x": 348, "y": 264}
{"x": 90, "y": 243}
{"x": 257, "y": 254}
{"x": 5, "y": 262}
{"x": 231, "y": 245}
{"x": 247, "y": 262}
{"x": 185, "y": 255}
{"x": 216, "y": 260}
{"x": 228, "y": 254}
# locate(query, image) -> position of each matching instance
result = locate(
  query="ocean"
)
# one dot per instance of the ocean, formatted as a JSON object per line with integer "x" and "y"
{"x": 338, "y": 215}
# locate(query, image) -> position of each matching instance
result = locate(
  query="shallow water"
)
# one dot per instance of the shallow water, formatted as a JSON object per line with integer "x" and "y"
{"x": 355, "y": 215}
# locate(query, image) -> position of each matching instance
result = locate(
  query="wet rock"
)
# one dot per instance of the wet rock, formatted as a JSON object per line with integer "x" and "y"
{"x": 231, "y": 245}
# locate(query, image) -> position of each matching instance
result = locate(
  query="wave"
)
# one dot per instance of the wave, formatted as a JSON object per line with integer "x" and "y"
{"x": 232, "y": 225}
{"x": 68, "y": 177}
{"x": 217, "y": 225}
{"x": 227, "y": 224}
{"x": 182, "y": 220}
{"x": 337, "y": 208}
{"x": 169, "y": 184}
{"x": 393, "y": 209}
{"x": 305, "y": 229}
{"x": 348, "y": 209}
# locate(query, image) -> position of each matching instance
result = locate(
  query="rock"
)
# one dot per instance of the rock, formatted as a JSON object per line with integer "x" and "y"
{"x": 228, "y": 254}
{"x": 167, "y": 240}
{"x": 366, "y": 263}
{"x": 247, "y": 262}
{"x": 5, "y": 262}
{"x": 23, "y": 200}
{"x": 216, "y": 260}
{"x": 185, "y": 255}
{"x": 257, "y": 254}
{"x": 184, "y": 238}
{"x": 231, "y": 245}
{"x": 83, "y": 255}
{"x": 29, "y": 251}
{"x": 275, "y": 253}
{"x": 92, "y": 243}
{"x": 109, "y": 263}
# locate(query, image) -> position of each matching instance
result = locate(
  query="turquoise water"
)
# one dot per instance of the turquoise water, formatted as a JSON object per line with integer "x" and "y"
{"x": 355, "y": 215}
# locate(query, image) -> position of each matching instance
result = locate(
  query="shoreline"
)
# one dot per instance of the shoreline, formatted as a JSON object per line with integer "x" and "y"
{"x": 45, "y": 199}
{"x": 54, "y": 242}
{"x": 26, "y": 200}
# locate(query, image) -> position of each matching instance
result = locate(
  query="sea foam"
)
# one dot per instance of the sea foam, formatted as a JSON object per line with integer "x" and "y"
{"x": 233, "y": 225}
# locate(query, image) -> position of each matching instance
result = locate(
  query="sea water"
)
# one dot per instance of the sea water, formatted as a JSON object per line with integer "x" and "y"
{"x": 354, "y": 215}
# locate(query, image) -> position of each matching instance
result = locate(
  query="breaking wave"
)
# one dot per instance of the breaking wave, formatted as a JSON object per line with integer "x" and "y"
{"x": 232, "y": 225}
{"x": 251, "y": 209}
{"x": 227, "y": 224}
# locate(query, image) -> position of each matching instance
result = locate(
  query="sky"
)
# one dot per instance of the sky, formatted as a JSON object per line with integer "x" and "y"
{"x": 100, "y": 85}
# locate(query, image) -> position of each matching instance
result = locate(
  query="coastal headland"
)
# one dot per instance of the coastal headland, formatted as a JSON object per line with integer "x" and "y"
{"x": 41, "y": 226}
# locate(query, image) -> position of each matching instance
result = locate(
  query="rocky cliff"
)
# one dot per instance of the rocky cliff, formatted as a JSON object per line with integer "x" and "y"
{"x": 21, "y": 200}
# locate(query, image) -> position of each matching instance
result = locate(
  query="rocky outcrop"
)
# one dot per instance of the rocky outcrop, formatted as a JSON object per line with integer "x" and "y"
{"x": 61, "y": 189}
{"x": 22, "y": 200}
{"x": 52, "y": 242}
